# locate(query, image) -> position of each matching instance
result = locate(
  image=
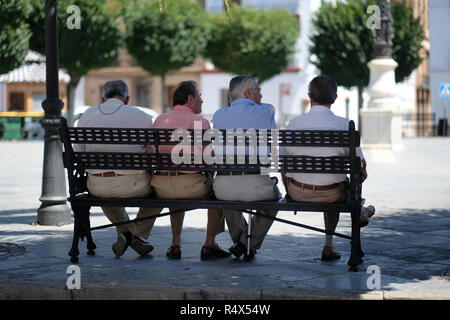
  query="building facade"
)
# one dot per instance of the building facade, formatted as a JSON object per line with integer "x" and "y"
{"x": 23, "y": 89}
{"x": 439, "y": 20}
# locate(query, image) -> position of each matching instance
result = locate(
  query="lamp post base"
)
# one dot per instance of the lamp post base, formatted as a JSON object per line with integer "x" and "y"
{"x": 54, "y": 214}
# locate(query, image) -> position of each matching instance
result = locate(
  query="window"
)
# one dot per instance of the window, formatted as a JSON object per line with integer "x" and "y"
{"x": 143, "y": 96}
{"x": 16, "y": 101}
{"x": 37, "y": 101}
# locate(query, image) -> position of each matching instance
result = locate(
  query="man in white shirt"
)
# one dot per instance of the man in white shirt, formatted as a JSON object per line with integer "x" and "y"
{"x": 322, "y": 188}
{"x": 113, "y": 112}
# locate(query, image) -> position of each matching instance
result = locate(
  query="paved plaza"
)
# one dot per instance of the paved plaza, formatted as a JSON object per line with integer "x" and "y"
{"x": 407, "y": 241}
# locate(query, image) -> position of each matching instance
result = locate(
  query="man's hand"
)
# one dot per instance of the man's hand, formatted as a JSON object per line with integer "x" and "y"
{"x": 363, "y": 171}
{"x": 363, "y": 174}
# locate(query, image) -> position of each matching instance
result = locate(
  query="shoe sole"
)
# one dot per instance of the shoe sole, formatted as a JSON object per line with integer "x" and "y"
{"x": 120, "y": 246}
{"x": 330, "y": 258}
{"x": 141, "y": 248}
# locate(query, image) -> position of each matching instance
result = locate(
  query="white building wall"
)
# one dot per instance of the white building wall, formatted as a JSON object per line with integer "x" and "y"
{"x": 3, "y": 98}
{"x": 439, "y": 24}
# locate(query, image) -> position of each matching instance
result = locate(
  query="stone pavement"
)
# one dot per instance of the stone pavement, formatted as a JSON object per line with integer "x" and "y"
{"x": 408, "y": 241}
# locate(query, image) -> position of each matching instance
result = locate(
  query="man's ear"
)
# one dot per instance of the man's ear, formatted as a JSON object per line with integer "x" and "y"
{"x": 103, "y": 100}
{"x": 247, "y": 92}
{"x": 127, "y": 99}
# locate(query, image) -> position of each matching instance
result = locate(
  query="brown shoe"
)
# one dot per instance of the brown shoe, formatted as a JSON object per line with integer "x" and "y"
{"x": 366, "y": 213}
{"x": 212, "y": 253}
{"x": 174, "y": 252}
{"x": 330, "y": 253}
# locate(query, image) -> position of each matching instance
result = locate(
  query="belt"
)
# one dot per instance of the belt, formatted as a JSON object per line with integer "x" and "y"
{"x": 106, "y": 174}
{"x": 169, "y": 173}
{"x": 236, "y": 173}
{"x": 313, "y": 187}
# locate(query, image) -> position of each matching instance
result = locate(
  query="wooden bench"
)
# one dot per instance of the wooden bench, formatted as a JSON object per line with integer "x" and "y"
{"x": 81, "y": 201}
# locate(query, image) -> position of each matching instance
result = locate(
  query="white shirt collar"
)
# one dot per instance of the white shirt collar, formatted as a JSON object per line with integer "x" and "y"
{"x": 318, "y": 108}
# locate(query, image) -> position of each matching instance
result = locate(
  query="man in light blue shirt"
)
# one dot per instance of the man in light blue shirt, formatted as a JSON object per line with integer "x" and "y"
{"x": 245, "y": 112}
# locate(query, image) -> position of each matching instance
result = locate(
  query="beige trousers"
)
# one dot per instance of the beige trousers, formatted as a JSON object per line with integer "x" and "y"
{"x": 331, "y": 218}
{"x": 187, "y": 186}
{"x": 125, "y": 186}
{"x": 247, "y": 188}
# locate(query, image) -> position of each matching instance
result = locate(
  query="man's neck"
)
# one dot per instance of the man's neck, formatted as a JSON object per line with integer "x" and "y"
{"x": 322, "y": 105}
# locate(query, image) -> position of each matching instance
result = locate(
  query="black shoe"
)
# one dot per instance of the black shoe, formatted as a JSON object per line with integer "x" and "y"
{"x": 238, "y": 249}
{"x": 212, "y": 253}
{"x": 251, "y": 256}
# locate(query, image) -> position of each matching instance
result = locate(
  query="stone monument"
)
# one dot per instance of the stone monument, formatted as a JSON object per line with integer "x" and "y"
{"x": 381, "y": 121}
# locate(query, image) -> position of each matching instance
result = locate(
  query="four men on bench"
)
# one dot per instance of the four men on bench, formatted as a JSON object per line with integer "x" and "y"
{"x": 245, "y": 112}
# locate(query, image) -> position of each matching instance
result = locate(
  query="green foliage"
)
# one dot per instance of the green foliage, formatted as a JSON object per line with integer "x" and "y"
{"x": 343, "y": 43}
{"x": 166, "y": 40}
{"x": 14, "y": 33}
{"x": 94, "y": 45}
{"x": 407, "y": 41}
{"x": 254, "y": 41}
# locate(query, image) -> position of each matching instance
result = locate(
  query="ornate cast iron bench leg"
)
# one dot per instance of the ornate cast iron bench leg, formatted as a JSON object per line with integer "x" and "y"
{"x": 356, "y": 252}
{"x": 87, "y": 231}
{"x": 74, "y": 252}
{"x": 81, "y": 230}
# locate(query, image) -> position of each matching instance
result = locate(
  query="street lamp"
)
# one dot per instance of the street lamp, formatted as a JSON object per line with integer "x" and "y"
{"x": 54, "y": 209}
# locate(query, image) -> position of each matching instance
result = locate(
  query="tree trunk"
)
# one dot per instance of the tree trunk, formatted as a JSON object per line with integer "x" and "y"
{"x": 165, "y": 102}
{"x": 360, "y": 105}
{"x": 71, "y": 86}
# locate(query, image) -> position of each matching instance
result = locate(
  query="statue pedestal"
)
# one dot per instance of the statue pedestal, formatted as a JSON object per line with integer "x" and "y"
{"x": 381, "y": 122}
{"x": 382, "y": 129}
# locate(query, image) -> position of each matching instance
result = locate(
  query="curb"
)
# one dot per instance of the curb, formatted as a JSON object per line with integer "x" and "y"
{"x": 52, "y": 292}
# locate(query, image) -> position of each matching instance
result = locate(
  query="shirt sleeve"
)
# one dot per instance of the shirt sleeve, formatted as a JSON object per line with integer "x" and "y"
{"x": 80, "y": 147}
{"x": 271, "y": 111}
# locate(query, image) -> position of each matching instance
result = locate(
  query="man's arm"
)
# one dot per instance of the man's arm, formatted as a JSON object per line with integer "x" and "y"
{"x": 363, "y": 171}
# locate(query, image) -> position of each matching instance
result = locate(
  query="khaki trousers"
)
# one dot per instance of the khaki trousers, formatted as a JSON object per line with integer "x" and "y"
{"x": 187, "y": 186}
{"x": 331, "y": 218}
{"x": 253, "y": 187}
{"x": 125, "y": 186}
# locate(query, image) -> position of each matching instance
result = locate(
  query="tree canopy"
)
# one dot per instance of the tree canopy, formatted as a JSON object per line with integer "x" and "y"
{"x": 343, "y": 44}
{"x": 14, "y": 33}
{"x": 94, "y": 45}
{"x": 168, "y": 39}
{"x": 252, "y": 41}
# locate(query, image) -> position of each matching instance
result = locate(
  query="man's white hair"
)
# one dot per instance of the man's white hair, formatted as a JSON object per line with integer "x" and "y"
{"x": 239, "y": 84}
{"x": 113, "y": 88}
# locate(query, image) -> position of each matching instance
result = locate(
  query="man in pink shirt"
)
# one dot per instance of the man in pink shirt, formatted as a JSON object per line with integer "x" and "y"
{"x": 187, "y": 104}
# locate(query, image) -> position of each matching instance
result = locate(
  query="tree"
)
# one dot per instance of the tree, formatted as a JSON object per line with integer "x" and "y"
{"x": 342, "y": 42}
{"x": 14, "y": 33}
{"x": 165, "y": 36}
{"x": 253, "y": 41}
{"x": 94, "y": 45}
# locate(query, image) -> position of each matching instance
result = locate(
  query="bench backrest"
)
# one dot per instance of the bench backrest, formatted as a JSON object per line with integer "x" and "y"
{"x": 259, "y": 141}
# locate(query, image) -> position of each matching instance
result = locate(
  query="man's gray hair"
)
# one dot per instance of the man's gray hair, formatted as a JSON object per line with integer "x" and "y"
{"x": 113, "y": 88}
{"x": 239, "y": 84}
